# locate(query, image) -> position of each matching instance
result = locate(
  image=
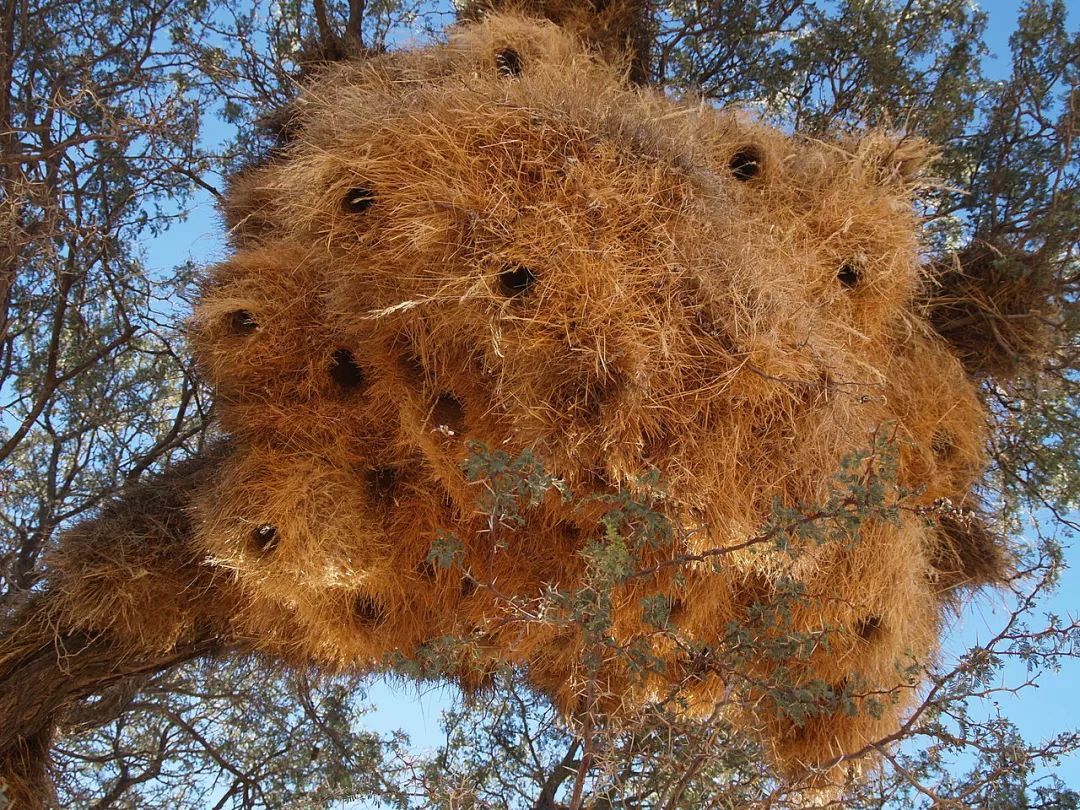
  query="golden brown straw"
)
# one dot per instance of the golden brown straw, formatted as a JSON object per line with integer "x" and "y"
{"x": 499, "y": 240}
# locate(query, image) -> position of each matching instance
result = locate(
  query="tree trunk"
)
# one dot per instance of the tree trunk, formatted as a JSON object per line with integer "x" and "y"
{"x": 42, "y": 675}
{"x": 128, "y": 596}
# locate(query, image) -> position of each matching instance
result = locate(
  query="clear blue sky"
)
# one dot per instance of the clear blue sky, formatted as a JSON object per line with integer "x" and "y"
{"x": 1053, "y": 707}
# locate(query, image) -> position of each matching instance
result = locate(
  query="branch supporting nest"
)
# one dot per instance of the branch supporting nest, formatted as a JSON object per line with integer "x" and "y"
{"x": 127, "y": 598}
{"x": 43, "y": 674}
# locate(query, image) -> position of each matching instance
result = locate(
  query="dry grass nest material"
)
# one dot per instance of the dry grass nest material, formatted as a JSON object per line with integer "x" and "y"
{"x": 994, "y": 304}
{"x": 496, "y": 240}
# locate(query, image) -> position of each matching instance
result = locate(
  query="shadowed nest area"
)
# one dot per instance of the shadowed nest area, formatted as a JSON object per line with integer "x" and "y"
{"x": 500, "y": 242}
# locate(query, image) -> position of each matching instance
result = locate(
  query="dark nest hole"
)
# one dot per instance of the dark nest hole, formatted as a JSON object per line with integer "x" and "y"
{"x": 242, "y": 322}
{"x": 368, "y": 611}
{"x": 570, "y": 531}
{"x": 381, "y": 482}
{"x": 849, "y": 274}
{"x": 345, "y": 371}
{"x": 448, "y": 413}
{"x": 657, "y": 446}
{"x": 265, "y": 538}
{"x": 468, "y": 587}
{"x": 597, "y": 479}
{"x": 516, "y": 281}
{"x": 508, "y": 63}
{"x": 676, "y": 610}
{"x": 746, "y": 163}
{"x": 698, "y": 663}
{"x": 357, "y": 200}
{"x": 868, "y": 628}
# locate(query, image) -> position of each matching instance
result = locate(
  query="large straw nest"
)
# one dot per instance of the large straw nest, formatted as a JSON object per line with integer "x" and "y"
{"x": 448, "y": 250}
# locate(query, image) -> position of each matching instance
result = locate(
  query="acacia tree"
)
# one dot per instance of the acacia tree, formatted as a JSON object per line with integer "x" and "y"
{"x": 101, "y": 112}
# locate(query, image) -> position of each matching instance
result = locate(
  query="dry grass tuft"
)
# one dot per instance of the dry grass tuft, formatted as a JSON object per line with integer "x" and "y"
{"x": 993, "y": 304}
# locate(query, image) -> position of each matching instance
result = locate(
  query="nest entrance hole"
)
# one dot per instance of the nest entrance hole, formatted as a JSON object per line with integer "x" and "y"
{"x": 381, "y": 482}
{"x": 468, "y": 586}
{"x": 265, "y": 538}
{"x": 746, "y": 163}
{"x": 345, "y": 372}
{"x": 516, "y": 281}
{"x": 242, "y": 322}
{"x": 868, "y": 628}
{"x": 358, "y": 200}
{"x": 508, "y": 63}
{"x": 849, "y": 274}
{"x": 448, "y": 413}
{"x": 368, "y": 611}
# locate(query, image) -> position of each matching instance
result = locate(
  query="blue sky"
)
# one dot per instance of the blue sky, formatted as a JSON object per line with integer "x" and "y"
{"x": 1041, "y": 712}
